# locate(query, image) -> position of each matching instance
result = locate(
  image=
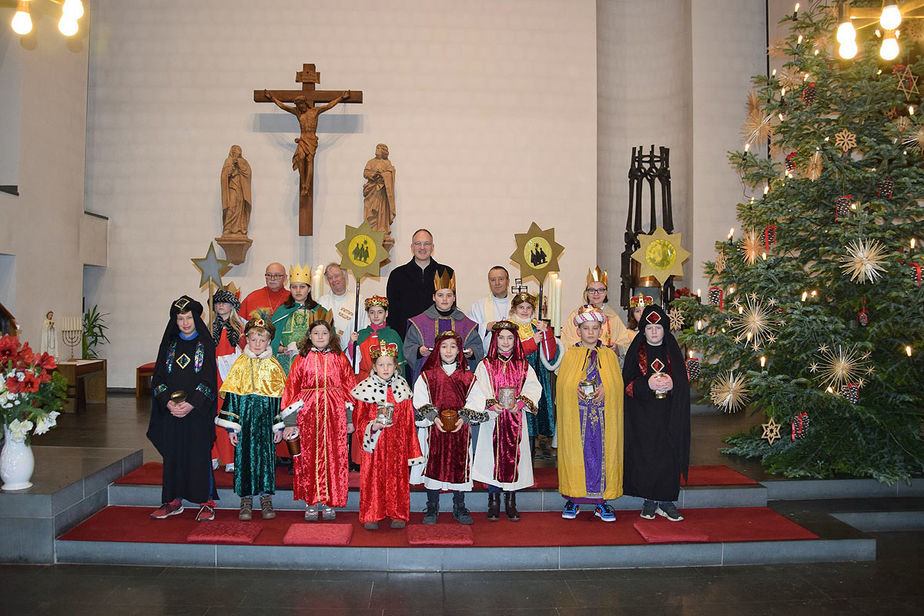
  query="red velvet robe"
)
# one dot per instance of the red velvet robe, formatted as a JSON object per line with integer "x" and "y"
{"x": 384, "y": 486}
{"x": 447, "y": 458}
{"x": 323, "y": 382}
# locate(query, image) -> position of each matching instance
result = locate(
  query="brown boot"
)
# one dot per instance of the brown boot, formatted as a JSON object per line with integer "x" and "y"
{"x": 510, "y": 506}
{"x": 493, "y": 506}
{"x": 266, "y": 507}
{"x": 246, "y": 513}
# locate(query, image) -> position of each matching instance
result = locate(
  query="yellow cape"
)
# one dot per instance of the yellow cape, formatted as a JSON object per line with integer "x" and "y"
{"x": 250, "y": 375}
{"x": 571, "y": 480}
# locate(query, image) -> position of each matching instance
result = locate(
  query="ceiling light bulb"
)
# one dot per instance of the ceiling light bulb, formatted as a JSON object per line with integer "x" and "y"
{"x": 22, "y": 21}
{"x": 848, "y": 50}
{"x": 889, "y": 48}
{"x": 891, "y": 17}
{"x": 67, "y": 26}
{"x": 846, "y": 32}
{"x": 72, "y": 9}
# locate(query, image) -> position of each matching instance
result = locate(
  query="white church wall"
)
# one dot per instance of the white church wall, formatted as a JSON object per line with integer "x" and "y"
{"x": 489, "y": 110}
{"x": 41, "y": 225}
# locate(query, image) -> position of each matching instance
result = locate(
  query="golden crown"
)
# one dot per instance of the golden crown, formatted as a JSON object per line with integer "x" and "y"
{"x": 640, "y": 300}
{"x": 597, "y": 275}
{"x": 298, "y": 273}
{"x": 499, "y": 325}
{"x": 522, "y": 297}
{"x": 384, "y": 350}
{"x": 444, "y": 280}
{"x": 377, "y": 300}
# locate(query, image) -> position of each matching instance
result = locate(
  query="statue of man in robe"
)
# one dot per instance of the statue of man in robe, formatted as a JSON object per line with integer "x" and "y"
{"x": 379, "y": 191}
{"x": 307, "y": 143}
{"x": 235, "y": 194}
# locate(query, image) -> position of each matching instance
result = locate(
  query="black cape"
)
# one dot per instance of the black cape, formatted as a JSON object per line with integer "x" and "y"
{"x": 185, "y": 443}
{"x": 410, "y": 292}
{"x": 657, "y": 432}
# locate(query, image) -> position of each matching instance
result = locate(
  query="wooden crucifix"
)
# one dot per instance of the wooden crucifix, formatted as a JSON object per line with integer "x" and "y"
{"x": 307, "y": 143}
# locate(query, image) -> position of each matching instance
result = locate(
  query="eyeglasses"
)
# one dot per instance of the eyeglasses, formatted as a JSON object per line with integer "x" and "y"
{"x": 596, "y": 291}
{"x": 275, "y": 276}
{"x": 422, "y": 244}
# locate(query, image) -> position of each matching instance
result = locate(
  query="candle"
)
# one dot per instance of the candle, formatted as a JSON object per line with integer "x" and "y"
{"x": 763, "y": 361}
{"x": 557, "y": 313}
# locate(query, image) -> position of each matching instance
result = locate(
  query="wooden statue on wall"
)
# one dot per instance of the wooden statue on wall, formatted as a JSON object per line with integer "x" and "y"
{"x": 379, "y": 194}
{"x": 307, "y": 142}
{"x": 235, "y": 206}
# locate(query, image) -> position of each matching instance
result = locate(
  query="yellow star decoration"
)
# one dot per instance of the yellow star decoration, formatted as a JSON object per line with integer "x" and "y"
{"x": 362, "y": 251}
{"x": 211, "y": 267}
{"x": 771, "y": 431}
{"x": 537, "y": 252}
{"x": 661, "y": 255}
{"x": 907, "y": 82}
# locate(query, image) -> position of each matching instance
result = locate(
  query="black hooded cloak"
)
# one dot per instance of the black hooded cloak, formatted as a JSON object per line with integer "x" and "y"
{"x": 185, "y": 443}
{"x": 657, "y": 431}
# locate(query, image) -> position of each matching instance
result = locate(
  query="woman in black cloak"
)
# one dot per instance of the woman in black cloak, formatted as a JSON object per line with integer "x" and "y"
{"x": 183, "y": 408}
{"x": 657, "y": 417}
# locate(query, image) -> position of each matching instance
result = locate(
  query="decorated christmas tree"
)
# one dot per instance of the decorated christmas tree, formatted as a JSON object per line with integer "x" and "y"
{"x": 815, "y": 313}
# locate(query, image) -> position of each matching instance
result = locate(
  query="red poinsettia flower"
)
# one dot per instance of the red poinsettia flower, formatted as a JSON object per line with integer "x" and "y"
{"x": 46, "y": 362}
{"x": 26, "y": 356}
{"x": 31, "y": 383}
{"x": 9, "y": 345}
{"x": 14, "y": 385}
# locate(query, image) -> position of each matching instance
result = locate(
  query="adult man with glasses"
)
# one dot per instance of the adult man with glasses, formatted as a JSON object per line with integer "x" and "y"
{"x": 615, "y": 335}
{"x": 263, "y": 302}
{"x": 410, "y": 286}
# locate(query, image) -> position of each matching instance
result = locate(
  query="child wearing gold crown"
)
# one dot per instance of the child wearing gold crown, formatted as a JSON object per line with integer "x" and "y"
{"x": 291, "y": 320}
{"x": 384, "y": 415}
{"x": 320, "y": 378}
{"x": 613, "y": 332}
{"x": 252, "y": 390}
{"x": 637, "y": 305}
{"x": 375, "y": 334}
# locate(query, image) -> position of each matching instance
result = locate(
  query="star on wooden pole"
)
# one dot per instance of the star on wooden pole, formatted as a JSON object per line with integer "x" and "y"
{"x": 660, "y": 255}
{"x": 211, "y": 268}
{"x": 362, "y": 251}
{"x": 537, "y": 252}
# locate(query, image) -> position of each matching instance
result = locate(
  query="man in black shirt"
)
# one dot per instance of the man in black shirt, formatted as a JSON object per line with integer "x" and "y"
{"x": 410, "y": 286}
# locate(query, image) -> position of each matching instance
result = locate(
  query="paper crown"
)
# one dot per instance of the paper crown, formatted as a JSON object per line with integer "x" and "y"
{"x": 499, "y": 325}
{"x": 383, "y": 350}
{"x": 589, "y": 313}
{"x": 523, "y": 297}
{"x": 444, "y": 280}
{"x": 298, "y": 273}
{"x": 640, "y": 300}
{"x": 597, "y": 275}
{"x": 376, "y": 300}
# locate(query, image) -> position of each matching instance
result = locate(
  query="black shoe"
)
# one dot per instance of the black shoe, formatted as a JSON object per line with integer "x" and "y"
{"x": 510, "y": 506}
{"x": 291, "y": 470}
{"x": 354, "y": 467}
{"x": 461, "y": 515}
{"x": 493, "y": 506}
{"x": 283, "y": 461}
{"x": 433, "y": 511}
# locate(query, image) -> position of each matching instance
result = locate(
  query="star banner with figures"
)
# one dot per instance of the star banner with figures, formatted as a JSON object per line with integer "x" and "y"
{"x": 661, "y": 255}
{"x": 537, "y": 252}
{"x": 362, "y": 251}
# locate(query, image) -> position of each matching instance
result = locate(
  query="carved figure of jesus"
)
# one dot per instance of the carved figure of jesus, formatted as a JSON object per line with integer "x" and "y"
{"x": 307, "y": 143}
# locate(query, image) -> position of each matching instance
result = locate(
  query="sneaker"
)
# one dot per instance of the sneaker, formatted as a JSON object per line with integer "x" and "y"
{"x": 206, "y": 513}
{"x": 461, "y": 515}
{"x": 669, "y": 511}
{"x": 266, "y": 507}
{"x": 328, "y": 513}
{"x": 433, "y": 511}
{"x": 371, "y": 525}
{"x": 605, "y": 513}
{"x": 649, "y": 507}
{"x": 174, "y": 507}
{"x": 246, "y": 512}
{"x": 395, "y": 523}
{"x": 311, "y": 513}
{"x": 571, "y": 510}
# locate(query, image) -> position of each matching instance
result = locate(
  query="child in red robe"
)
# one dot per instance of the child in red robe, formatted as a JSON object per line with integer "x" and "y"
{"x": 389, "y": 443}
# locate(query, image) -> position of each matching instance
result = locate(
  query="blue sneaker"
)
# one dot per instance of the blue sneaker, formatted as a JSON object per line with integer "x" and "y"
{"x": 605, "y": 513}
{"x": 571, "y": 510}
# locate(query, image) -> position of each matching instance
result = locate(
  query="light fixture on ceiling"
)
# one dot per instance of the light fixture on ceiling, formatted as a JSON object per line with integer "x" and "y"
{"x": 71, "y": 11}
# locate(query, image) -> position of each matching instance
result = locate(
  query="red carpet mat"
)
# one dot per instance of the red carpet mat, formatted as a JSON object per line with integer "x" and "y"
{"x": 224, "y": 532}
{"x": 545, "y": 478}
{"x": 663, "y": 531}
{"x": 133, "y": 524}
{"x": 442, "y": 535}
{"x": 318, "y": 534}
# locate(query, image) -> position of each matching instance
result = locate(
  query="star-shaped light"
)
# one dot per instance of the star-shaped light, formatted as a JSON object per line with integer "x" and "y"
{"x": 211, "y": 267}
{"x": 661, "y": 255}
{"x": 771, "y": 431}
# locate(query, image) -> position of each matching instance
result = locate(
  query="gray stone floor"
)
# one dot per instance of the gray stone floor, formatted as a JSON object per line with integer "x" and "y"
{"x": 890, "y": 585}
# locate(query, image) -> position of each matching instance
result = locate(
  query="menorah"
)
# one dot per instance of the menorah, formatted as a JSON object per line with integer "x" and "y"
{"x": 72, "y": 333}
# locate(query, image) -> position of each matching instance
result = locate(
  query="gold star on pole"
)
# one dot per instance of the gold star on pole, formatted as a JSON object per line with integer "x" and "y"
{"x": 771, "y": 431}
{"x": 362, "y": 251}
{"x": 211, "y": 267}
{"x": 537, "y": 252}
{"x": 661, "y": 255}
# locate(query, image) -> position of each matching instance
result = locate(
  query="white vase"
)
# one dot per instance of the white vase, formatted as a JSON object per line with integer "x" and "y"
{"x": 16, "y": 463}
